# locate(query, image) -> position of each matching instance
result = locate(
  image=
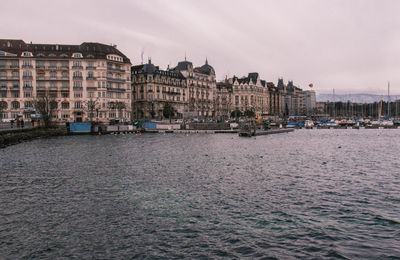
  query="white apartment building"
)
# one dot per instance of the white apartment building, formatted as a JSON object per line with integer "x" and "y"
{"x": 86, "y": 82}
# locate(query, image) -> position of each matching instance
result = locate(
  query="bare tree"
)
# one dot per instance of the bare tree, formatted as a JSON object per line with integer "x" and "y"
{"x": 45, "y": 105}
{"x": 3, "y": 107}
{"x": 118, "y": 106}
{"x": 92, "y": 105}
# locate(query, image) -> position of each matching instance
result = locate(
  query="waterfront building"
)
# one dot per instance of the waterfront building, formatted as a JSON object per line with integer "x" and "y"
{"x": 85, "y": 82}
{"x": 250, "y": 94}
{"x": 309, "y": 102}
{"x": 292, "y": 99}
{"x": 201, "y": 84}
{"x": 223, "y": 99}
{"x": 152, "y": 88}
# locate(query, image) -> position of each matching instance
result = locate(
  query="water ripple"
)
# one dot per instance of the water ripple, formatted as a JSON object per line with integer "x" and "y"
{"x": 326, "y": 194}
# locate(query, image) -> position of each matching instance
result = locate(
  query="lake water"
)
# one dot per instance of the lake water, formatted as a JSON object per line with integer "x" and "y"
{"x": 322, "y": 194}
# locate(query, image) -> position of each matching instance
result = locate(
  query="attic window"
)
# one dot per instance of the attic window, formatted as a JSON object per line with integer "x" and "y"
{"x": 40, "y": 55}
{"x": 90, "y": 56}
{"x": 52, "y": 55}
{"x": 77, "y": 55}
{"x": 2, "y": 53}
{"x": 64, "y": 55}
{"x": 27, "y": 54}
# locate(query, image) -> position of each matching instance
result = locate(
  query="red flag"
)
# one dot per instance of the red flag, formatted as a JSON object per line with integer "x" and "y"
{"x": 310, "y": 85}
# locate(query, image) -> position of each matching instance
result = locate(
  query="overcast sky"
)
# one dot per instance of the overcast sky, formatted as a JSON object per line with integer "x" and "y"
{"x": 347, "y": 45}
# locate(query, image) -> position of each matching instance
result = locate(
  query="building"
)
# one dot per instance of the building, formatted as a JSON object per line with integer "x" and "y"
{"x": 152, "y": 88}
{"x": 201, "y": 83}
{"x": 250, "y": 94}
{"x": 85, "y": 82}
{"x": 292, "y": 99}
{"x": 309, "y": 102}
{"x": 223, "y": 99}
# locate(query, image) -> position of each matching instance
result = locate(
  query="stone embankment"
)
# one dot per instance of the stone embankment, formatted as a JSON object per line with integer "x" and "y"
{"x": 21, "y": 135}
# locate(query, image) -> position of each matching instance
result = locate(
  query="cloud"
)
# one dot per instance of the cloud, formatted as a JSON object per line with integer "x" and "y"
{"x": 352, "y": 46}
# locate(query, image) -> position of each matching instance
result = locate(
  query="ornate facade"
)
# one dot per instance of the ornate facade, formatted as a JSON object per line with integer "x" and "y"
{"x": 201, "y": 83}
{"x": 152, "y": 88}
{"x": 84, "y": 82}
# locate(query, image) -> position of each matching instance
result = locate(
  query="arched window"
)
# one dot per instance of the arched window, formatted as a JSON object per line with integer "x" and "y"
{"x": 15, "y": 104}
{"x": 53, "y": 105}
{"x": 3, "y": 105}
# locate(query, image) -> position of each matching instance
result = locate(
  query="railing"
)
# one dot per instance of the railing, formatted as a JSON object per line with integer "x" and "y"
{"x": 77, "y": 77}
{"x": 10, "y": 78}
{"x": 77, "y": 67}
{"x": 51, "y": 78}
{"x": 90, "y": 78}
{"x": 115, "y": 79}
{"x": 90, "y": 67}
{"x": 115, "y": 69}
{"x": 27, "y": 66}
{"x": 27, "y": 77}
{"x": 116, "y": 89}
{"x": 14, "y": 66}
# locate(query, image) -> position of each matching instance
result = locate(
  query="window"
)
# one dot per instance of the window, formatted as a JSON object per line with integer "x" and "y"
{"x": 77, "y": 55}
{"x": 65, "y": 116}
{"x": 27, "y": 94}
{"x": 90, "y": 94}
{"x": 28, "y": 104}
{"x": 65, "y": 94}
{"x": 15, "y": 105}
{"x": 27, "y": 54}
{"x": 53, "y": 74}
{"x": 78, "y": 104}
{"x": 78, "y": 94}
{"x": 65, "y": 105}
{"x": 77, "y": 84}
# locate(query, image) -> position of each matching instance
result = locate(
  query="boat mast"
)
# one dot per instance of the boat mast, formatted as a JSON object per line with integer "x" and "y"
{"x": 388, "y": 100}
{"x": 380, "y": 109}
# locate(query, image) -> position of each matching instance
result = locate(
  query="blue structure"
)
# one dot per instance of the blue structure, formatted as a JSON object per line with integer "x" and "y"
{"x": 80, "y": 127}
{"x": 149, "y": 125}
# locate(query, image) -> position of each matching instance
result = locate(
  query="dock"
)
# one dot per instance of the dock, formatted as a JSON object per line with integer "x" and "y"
{"x": 264, "y": 132}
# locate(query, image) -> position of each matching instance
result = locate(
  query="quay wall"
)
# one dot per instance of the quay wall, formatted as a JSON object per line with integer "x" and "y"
{"x": 22, "y": 135}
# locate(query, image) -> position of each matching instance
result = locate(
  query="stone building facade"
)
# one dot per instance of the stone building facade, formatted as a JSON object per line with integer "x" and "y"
{"x": 152, "y": 88}
{"x": 201, "y": 83}
{"x": 251, "y": 94}
{"x": 85, "y": 82}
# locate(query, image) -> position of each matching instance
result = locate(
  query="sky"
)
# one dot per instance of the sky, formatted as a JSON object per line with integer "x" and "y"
{"x": 352, "y": 46}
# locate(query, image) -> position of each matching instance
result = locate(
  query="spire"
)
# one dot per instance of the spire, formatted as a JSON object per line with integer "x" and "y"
{"x": 206, "y": 61}
{"x": 185, "y": 55}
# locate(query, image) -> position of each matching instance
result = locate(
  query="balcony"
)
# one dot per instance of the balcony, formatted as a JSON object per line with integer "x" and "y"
{"x": 77, "y": 88}
{"x": 65, "y": 67}
{"x": 77, "y": 67}
{"x": 115, "y": 69}
{"x": 90, "y": 78}
{"x": 90, "y": 67}
{"x": 14, "y": 66}
{"x": 12, "y": 78}
{"x": 116, "y": 89}
{"x": 91, "y": 88}
{"x": 40, "y": 88}
{"x": 116, "y": 79}
{"x": 27, "y": 66}
{"x": 27, "y": 77}
{"x": 15, "y": 87}
{"x": 27, "y": 87}
{"x": 64, "y": 87}
{"x": 51, "y": 78}
{"x": 40, "y": 67}
{"x": 77, "y": 77}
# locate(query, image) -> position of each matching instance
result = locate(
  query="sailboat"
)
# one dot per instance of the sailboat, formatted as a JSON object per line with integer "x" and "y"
{"x": 385, "y": 121}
